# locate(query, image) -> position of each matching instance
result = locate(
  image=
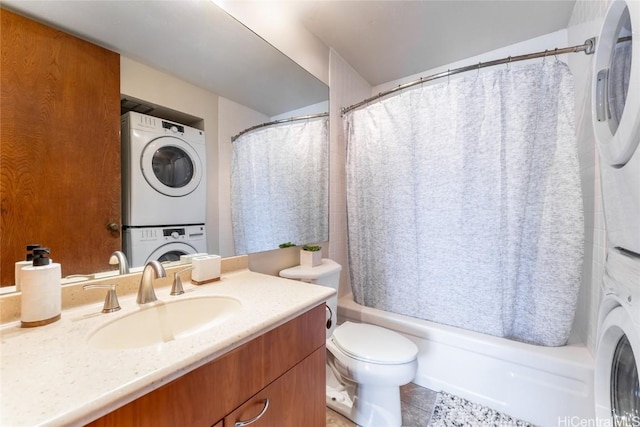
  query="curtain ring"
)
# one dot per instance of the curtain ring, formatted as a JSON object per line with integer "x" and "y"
{"x": 509, "y": 63}
{"x": 479, "y": 68}
{"x": 544, "y": 59}
{"x": 448, "y": 74}
{"x": 556, "y": 54}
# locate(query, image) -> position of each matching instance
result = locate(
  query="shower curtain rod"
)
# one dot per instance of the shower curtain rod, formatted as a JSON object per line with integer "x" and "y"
{"x": 588, "y": 48}
{"x": 276, "y": 122}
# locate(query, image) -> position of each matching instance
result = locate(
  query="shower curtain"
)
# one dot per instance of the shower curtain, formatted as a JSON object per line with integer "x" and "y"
{"x": 279, "y": 185}
{"x": 464, "y": 203}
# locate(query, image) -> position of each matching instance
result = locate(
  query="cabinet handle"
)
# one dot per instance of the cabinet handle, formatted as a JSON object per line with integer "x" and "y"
{"x": 256, "y": 418}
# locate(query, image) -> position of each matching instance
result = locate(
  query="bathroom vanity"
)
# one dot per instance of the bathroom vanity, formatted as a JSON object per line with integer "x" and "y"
{"x": 272, "y": 347}
{"x": 284, "y": 365}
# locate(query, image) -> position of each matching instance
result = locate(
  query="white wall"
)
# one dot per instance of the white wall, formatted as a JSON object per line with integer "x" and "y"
{"x": 148, "y": 84}
{"x": 347, "y": 88}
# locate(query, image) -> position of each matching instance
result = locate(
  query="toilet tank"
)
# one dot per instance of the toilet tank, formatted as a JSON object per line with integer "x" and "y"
{"x": 326, "y": 274}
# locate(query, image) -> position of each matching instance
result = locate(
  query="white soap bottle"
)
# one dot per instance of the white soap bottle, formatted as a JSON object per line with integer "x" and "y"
{"x": 28, "y": 262}
{"x": 41, "y": 299}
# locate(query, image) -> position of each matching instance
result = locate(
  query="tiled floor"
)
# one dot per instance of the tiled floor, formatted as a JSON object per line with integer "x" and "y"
{"x": 417, "y": 405}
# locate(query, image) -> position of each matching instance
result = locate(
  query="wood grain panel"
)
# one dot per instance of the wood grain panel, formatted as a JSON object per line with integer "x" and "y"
{"x": 287, "y": 344}
{"x": 204, "y": 396}
{"x": 296, "y": 399}
{"x": 59, "y": 147}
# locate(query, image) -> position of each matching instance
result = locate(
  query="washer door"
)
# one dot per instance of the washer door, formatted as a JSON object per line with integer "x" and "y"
{"x": 171, "y": 166}
{"x": 171, "y": 252}
{"x": 616, "y": 85}
{"x": 617, "y": 390}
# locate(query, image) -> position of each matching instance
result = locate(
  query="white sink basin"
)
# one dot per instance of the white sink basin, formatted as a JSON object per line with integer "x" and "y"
{"x": 164, "y": 322}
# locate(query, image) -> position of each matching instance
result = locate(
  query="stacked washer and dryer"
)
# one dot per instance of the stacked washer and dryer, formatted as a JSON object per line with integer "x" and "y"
{"x": 163, "y": 189}
{"x": 616, "y": 117}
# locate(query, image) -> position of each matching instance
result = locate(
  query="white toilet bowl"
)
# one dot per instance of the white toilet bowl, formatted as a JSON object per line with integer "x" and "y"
{"x": 366, "y": 364}
{"x": 371, "y": 363}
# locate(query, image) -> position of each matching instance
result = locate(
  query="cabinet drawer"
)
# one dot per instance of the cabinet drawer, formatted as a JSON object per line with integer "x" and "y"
{"x": 295, "y": 399}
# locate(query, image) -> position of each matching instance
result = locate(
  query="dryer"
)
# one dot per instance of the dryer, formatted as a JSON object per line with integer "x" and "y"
{"x": 617, "y": 390}
{"x": 163, "y": 172}
{"x": 145, "y": 244}
{"x": 616, "y": 121}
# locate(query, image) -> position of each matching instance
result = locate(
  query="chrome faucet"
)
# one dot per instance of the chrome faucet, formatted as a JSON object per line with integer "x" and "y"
{"x": 152, "y": 270}
{"x": 121, "y": 259}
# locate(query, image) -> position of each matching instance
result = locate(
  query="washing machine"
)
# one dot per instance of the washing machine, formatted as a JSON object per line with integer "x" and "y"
{"x": 616, "y": 125}
{"x": 617, "y": 390}
{"x": 145, "y": 244}
{"x": 163, "y": 172}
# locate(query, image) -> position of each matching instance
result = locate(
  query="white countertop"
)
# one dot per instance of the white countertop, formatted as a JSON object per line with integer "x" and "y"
{"x": 50, "y": 376}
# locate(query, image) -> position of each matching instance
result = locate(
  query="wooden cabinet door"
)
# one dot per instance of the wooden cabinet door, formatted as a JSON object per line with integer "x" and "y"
{"x": 295, "y": 399}
{"x": 59, "y": 147}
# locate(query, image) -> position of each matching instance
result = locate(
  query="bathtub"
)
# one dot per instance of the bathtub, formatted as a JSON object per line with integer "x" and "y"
{"x": 547, "y": 386}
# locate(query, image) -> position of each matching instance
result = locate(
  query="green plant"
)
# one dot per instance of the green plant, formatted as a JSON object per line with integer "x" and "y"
{"x": 311, "y": 248}
{"x": 286, "y": 245}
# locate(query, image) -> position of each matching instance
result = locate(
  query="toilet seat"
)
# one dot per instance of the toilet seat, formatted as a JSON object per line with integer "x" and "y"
{"x": 373, "y": 344}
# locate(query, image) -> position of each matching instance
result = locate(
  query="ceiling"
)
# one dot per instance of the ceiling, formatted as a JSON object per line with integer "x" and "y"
{"x": 382, "y": 40}
{"x": 389, "y": 40}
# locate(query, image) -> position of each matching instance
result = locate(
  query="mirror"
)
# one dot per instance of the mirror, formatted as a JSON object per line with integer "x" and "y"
{"x": 243, "y": 80}
{"x": 281, "y": 200}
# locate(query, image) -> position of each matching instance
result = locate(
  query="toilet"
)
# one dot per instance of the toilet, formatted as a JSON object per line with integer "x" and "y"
{"x": 366, "y": 364}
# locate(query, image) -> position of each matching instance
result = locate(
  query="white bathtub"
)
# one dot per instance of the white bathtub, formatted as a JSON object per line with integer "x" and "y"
{"x": 547, "y": 386}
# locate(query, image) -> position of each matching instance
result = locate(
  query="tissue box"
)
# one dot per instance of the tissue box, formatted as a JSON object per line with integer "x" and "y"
{"x": 205, "y": 269}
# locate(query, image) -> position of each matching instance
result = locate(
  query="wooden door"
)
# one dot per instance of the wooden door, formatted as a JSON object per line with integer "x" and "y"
{"x": 59, "y": 147}
{"x": 295, "y": 399}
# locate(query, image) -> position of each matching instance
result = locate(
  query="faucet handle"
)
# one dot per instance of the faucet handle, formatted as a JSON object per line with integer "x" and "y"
{"x": 176, "y": 288}
{"x": 111, "y": 303}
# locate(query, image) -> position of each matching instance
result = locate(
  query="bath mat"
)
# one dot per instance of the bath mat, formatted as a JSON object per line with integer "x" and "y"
{"x": 454, "y": 411}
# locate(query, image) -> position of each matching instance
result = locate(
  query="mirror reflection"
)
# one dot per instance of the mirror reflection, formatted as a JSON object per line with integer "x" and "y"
{"x": 206, "y": 71}
{"x": 279, "y": 184}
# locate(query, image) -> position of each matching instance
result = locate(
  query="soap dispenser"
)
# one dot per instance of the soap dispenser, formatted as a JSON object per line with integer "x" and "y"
{"x": 41, "y": 299}
{"x": 28, "y": 262}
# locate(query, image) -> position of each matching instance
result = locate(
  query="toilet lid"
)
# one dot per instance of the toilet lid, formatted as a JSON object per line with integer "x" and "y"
{"x": 372, "y": 343}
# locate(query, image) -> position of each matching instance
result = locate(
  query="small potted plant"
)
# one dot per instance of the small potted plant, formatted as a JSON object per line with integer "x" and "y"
{"x": 310, "y": 256}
